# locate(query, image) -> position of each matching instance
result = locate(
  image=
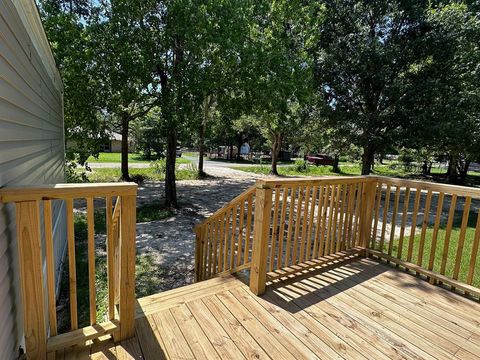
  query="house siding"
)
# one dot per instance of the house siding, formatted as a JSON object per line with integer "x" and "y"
{"x": 31, "y": 145}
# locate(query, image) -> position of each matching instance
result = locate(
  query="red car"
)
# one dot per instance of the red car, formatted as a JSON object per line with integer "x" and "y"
{"x": 319, "y": 159}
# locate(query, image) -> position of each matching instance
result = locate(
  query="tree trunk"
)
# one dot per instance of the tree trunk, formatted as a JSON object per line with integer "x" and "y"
{"x": 367, "y": 159}
{"x": 452, "y": 174}
{"x": 276, "y": 146}
{"x": 464, "y": 171}
{"x": 239, "y": 145}
{"x": 170, "y": 186}
{"x": 201, "y": 149}
{"x": 125, "y": 123}
{"x": 230, "y": 151}
{"x": 336, "y": 168}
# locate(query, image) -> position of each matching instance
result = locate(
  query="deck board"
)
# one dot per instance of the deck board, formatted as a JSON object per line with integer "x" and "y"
{"x": 360, "y": 309}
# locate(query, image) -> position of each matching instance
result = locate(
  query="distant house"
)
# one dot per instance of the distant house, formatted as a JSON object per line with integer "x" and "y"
{"x": 31, "y": 146}
{"x": 114, "y": 144}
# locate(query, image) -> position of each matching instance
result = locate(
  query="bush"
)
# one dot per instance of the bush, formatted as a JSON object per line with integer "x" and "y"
{"x": 302, "y": 166}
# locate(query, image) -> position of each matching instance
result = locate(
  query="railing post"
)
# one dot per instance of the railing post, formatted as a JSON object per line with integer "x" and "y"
{"x": 127, "y": 266}
{"x": 368, "y": 203}
{"x": 198, "y": 253}
{"x": 261, "y": 230}
{"x": 30, "y": 260}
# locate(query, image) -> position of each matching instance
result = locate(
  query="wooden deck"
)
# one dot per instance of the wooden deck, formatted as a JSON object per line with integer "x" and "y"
{"x": 359, "y": 310}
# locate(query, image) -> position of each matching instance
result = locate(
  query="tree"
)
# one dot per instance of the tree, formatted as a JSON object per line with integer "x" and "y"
{"x": 455, "y": 94}
{"x": 123, "y": 62}
{"x": 71, "y": 40}
{"x": 362, "y": 56}
{"x": 279, "y": 78}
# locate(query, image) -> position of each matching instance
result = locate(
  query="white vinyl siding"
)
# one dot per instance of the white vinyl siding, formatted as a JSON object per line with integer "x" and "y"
{"x": 31, "y": 144}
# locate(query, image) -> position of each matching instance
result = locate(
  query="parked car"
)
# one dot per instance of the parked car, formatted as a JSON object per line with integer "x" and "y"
{"x": 319, "y": 159}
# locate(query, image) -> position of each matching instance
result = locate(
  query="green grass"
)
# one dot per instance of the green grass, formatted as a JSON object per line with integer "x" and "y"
{"x": 148, "y": 276}
{"x": 148, "y": 174}
{"x": 349, "y": 169}
{"x": 132, "y": 158}
{"x": 452, "y": 249}
{"x": 293, "y": 170}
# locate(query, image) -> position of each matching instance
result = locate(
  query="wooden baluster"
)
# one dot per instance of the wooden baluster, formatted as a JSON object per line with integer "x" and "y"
{"x": 246, "y": 258}
{"x": 461, "y": 237}
{"x": 258, "y": 272}
{"x": 110, "y": 258}
{"x": 310, "y": 223}
{"x": 406, "y": 201}
{"x": 426, "y": 215}
{"x": 72, "y": 272}
{"x": 448, "y": 233}
{"x": 386, "y": 205}
{"x": 30, "y": 266}
{"x": 321, "y": 244}
{"x": 474, "y": 254}
{"x": 334, "y": 242}
{"x": 282, "y": 227}
{"x": 221, "y": 244}
{"x": 206, "y": 229}
{"x": 232, "y": 239}
{"x": 398, "y": 190}
{"x": 211, "y": 249}
{"x": 227, "y": 232}
{"x": 50, "y": 260}
{"x": 303, "y": 238}
{"x": 240, "y": 233}
{"x": 351, "y": 205}
{"x": 416, "y": 205}
{"x": 127, "y": 266}
{"x": 433, "y": 249}
{"x": 341, "y": 227}
{"x": 91, "y": 261}
{"x": 368, "y": 201}
{"x": 377, "y": 214}
{"x": 358, "y": 206}
{"x": 298, "y": 219}
{"x": 288, "y": 250}
{"x": 275, "y": 229}
{"x": 330, "y": 220}
{"x": 318, "y": 226}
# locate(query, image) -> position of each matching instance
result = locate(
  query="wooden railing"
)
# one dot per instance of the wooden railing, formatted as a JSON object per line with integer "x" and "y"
{"x": 34, "y": 212}
{"x": 301, "y": 221}
{"x": 431, "y": 229}
{"x": 224, "y": 240}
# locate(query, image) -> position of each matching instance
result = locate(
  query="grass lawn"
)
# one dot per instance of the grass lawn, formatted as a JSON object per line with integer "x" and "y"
{"x": 147, "y": 275}
{"x": 452, "y": 249}
{"x": 346, "y": 169}
{"x": 132, "y": 158}
{"x": 114, "y": 175}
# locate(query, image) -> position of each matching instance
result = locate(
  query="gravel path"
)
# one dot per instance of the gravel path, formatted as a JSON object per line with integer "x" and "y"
{"x": 170, "y": 243}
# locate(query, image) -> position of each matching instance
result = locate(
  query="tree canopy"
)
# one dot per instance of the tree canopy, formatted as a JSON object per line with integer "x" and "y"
{"x": 315, "y": 76}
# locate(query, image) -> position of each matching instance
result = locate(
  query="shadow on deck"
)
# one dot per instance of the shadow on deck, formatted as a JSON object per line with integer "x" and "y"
{"x": 359, "y": 309}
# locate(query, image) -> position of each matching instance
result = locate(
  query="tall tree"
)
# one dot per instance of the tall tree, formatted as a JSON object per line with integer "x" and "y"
{"x": 279, "y": 80}
{"x": 363, "y": 53}
{"x": 124, "y": 67}
{"x": 66, "y": 24}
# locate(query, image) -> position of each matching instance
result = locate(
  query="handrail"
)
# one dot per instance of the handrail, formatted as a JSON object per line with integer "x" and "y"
{"x": 250, "y": 190}
{"x": 30, "y": 201}
{"x": 65, "y": 191}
